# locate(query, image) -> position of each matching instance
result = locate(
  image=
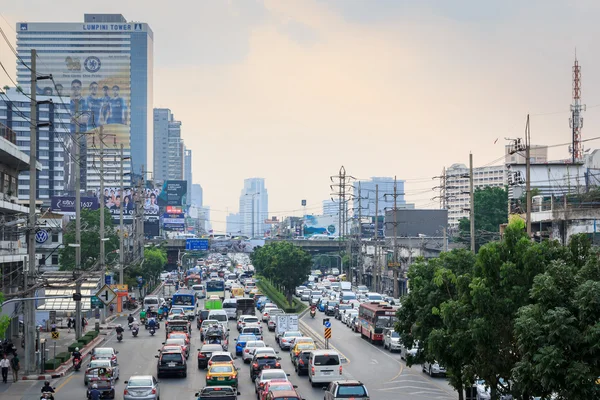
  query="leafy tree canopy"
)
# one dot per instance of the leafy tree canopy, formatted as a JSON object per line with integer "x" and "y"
{"x": 491, "y": 210}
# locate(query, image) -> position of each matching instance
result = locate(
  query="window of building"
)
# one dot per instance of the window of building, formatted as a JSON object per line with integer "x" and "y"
{"x": 54, "y": 259}
{"x": 54, "y": 237}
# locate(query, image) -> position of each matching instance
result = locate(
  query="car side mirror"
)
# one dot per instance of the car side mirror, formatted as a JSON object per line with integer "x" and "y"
{"x": 324, "y": 388}
{"x": 288, "y": 374}
{"x": 197, "y": 394}
{"x": 156, "y": 356}
{"x": 278, "y": 358}
{"x": 117, "y": 352}
{"x": 295, "y": 387}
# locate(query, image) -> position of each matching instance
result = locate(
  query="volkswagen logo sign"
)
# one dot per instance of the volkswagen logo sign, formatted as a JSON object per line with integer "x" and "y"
{"x": 41, "y": 236}
{"x": 92, "y": 64}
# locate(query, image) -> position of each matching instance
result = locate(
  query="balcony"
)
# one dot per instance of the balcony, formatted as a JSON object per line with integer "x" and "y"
{"x": 12, "y": 250}
{"x": 8, "y": 134}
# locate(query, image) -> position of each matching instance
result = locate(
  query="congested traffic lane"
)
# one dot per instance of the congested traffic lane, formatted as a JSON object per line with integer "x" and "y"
{"x": 385, "y": 374}
{"x": 136, "y": 357}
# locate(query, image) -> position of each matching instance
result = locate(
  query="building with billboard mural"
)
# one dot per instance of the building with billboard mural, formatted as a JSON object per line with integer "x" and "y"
{"x": 103, "y": 67}
{"x": 320, "y": 225}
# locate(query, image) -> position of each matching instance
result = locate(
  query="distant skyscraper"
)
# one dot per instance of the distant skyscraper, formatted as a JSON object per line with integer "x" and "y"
{"x": 106, "y": 64}
{"x": 168, "y": 146}
{"x": 254, "y": 207}
{"x": 187, "y": 173}
{"x": 234, "y": 227}
{"x": 385, "y": 186}
{"x": 330, "y": 207}
{"x": 197, "y": 195}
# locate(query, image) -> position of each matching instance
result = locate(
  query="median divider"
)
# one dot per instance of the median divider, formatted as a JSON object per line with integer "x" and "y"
{"x": 279, "y": 298}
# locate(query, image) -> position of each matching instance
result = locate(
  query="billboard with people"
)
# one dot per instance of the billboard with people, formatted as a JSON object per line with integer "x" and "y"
{"x": 173, "y": 193}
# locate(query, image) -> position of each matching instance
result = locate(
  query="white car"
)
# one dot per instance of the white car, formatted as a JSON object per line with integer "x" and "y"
{"x": 348, "y": 316}
{"x": 251, "y": 345}
{"x": 93, "y": 373}
{"x": 433, "y": 369}
{"x": 404, "y": 352}
{"x": 267, "y": 375}
{"x": 267, "y": 312}
{"x": 228, "y": 284}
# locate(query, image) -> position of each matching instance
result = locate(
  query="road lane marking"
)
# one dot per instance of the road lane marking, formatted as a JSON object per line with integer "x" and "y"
{"x": 64, "y": 383}
{"x": 320, "y": 338}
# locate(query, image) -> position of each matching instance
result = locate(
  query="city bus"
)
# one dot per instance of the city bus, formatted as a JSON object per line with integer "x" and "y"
{"x": 186, "y": 299}
{"x": 215, "y": 287}
{"x": 373, "y": 318}
{"x": 191, "y": 280}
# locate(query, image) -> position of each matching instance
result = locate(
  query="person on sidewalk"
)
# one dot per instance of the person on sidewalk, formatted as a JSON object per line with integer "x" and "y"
{"x": 69, "y": 321}
{"x": 5, "y": 365}
{"x": 16, "y": 366}
{"x": 83, "y": 324}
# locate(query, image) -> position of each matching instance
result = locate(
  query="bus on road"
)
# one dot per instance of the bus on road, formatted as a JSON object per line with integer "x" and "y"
{"x": 192, "y": 279}
{"x": 373, "y": 318}
{"x": 215, "y": 287}
{"x": 186, "y": 299}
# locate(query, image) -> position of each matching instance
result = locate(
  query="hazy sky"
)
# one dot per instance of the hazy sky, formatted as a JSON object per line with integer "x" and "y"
{"x": 291, "y": 90}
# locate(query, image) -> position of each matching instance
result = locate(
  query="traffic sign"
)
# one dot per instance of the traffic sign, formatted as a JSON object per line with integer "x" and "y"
{"x": 327, "y": 333}
{"x": 106, "y": 295}
{"x": 55, "y": 335}
{"x": 96, "y": 303}
{"x": 196, "y": 244}
{"x": 327, "y": 324}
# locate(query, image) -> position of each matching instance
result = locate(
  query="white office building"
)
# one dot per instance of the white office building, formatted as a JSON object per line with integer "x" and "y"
{"x": 367, "y": 190}
{"x": 330, "y": 207}
{"x": 168, "y": 146}
{"x": 254, "y": 208}
{"x": 457, "y": 188}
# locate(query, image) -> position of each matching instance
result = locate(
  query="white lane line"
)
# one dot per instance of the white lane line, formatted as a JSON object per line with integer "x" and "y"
{"x": 436, "y": 391}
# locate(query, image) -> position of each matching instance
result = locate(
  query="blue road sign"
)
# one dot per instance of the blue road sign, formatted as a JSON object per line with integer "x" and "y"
{"x": 327, "y": 324}
{"x": 108, "y": 279}
{"x": 196, "y": 244}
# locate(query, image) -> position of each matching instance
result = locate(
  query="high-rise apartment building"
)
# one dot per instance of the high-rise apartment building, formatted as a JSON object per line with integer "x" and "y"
{"x": 254, "y": 207}
{"x": 103, "y": 73}
{"x": 168, "y": 146}
{"x": 187, "y": 173}
{"x": 384, "y": 187}
{"x": 330, "y": 207}
{"x": 457, "y": 188}
{"x": 52, "y": 142}
{"x": 197, "y": 195}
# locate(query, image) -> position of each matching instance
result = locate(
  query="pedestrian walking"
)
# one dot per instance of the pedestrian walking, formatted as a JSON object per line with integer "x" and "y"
{"x": 69, "y": 320}
{"x": 83, "y": 324}
{"x": 16, "y": 366}
{"x": 4, "y": 365}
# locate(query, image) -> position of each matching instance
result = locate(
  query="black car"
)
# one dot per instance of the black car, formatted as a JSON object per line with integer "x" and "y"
{"x": 301, "y": 362}
{"x": 202, "y": 315}
{"x": 171, "y": 363}
{"x": 261, "y": 362}
{"x": 330, "y": 307}
{"x": 217, "y": 393}
{"x": 205, "y": 353}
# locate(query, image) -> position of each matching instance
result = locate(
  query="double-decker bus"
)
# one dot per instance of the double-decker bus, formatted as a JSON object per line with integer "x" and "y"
{"x": 215, "y": 287}
{"x": 192, "y": 279}
{"x": 186, "y": 299}
{"x": 373, "y": 317}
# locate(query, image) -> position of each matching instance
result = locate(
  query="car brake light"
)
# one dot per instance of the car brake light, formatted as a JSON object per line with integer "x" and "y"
{"x": 301, "y": 362}
{"x": 255, "y": 365}
{"x": 278, "y": 365}
{"x": 340, "y": 369}
{"x": 246, "y": 351}
{"x": 153, "y": 391}
{"x": 312, "y": 370}
{"x": 125, "y": 392}
{"x": 200, "y": 355}
{"x": 210, "y": 363}
{"x": 262, "y": 385}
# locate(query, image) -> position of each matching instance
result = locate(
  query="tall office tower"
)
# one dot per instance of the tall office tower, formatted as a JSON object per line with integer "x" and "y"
{"x": 168, "y": 146}
{"x": 330, "y": 207}
{"x": 254, "y": 207}
{"x": 106, "y": 63}
{"x": 54, "y": 177}
{"x": 385, "y": 187}
{"x": 197, "y": 195}
{"x": 187, "y": 173}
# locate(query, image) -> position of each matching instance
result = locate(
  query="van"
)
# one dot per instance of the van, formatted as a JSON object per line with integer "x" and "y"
{"x": 374, "y": 297}
{"x": 345, "y": 297}
{"x": 345, "y": 286}
{"x": 230, "y": 307}
{"x": 249, "y": 285}
{"x": 200, "y": 291}
{"x": 213, "y": 304}
{"x": 219, "y": 315}
{"x": 151, "y": 301}
{"x": 324, "y": 366}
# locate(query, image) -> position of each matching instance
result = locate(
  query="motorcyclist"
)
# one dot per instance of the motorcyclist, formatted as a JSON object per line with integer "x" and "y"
{"x": 135, "y": 326}
{"x": 130, "y": 319}
{"x": 151, "y": 323}
{"x": 76, "y": 355}
{"x": 48, "y": 389}
{"x": 119, "y": 329}
{"x": 143, "y": 314}
{"x": 95, "y": 393}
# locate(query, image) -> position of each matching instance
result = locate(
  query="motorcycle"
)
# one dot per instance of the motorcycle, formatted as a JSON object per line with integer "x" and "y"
{"x": 119, "y": 337}
{"x": 135, "y": 331}
{"x": 152, "y": 331}
{"x": 130, "y": 325}
{"x": 47, "y": 396}
{"x": 313, "y": 312}
{"x": 77, "y": 364}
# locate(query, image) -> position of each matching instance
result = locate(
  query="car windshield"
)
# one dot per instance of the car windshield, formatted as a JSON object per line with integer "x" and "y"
{"x": 246, "y": 338}
{"x": 281, "y": 386}
{"x": 305, "y": 346}
{"x": 210, "y": 348}
{"x": 352, "y": 391}
{"x": 363, "y": 288}
{"x": 137, "y": 382}
{"x": 209, "y": 322}
{"x": 327, "y": 359}
{"x": 375, "y": 297}
{"x": 221, "y": 358}
{"x": 255, "y": 344}
{"x": 273, "y": 374}
{"x": 292, "y": 334}
{"x": 221, "y": 369}
{"x": 171, "y": 357}
{"x": 179, "y": 342}
{"x": 395, "y": 334}
{"x": 100, "y": 363}
{"x": 220, "y": 317}
{"x": 251, "y": 320}
{"x": 103, "y": 352}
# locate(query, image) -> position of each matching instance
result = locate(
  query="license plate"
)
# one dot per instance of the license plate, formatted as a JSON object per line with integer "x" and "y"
{"x": 326, "y": 373}
{"x": 221, "y": 379}
{"x": 171, "y": 364}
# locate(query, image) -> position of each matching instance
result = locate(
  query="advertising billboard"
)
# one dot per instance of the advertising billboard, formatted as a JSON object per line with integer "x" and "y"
{"x": 112, "y": 199}
{"x": 173, "y": 222}
{"x": 321, "y": 225}
{"x": 98, "y": 85}
{"x": 173, "y": 193}
{"x": 67, "y": 203}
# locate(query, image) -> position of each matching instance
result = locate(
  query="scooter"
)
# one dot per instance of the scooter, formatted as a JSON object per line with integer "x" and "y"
{"x": 313, "y": 312}
{"x": 77, "y": 364}
{"x": 119, "y": 337}
{"x": 152, "y": 331}
{"x": 47, "y": 395}
{"x": 130, "y": 325}
{"x": 135, "y": 331}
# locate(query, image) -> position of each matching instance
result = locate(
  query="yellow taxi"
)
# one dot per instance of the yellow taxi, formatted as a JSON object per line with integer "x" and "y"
{"x": 222, "y": 374}
{"x": 300, "y": 347}
{"x": 237, "y": 292}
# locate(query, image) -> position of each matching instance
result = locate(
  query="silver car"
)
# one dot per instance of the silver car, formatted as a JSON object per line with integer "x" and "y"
{"x": 141, "y": 387}
{"x": 433, "y": 369}
{"x": 92, "y": 372}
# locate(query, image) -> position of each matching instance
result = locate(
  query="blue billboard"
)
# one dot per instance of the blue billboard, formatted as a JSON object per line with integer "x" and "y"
{"x": 196, "y": 244}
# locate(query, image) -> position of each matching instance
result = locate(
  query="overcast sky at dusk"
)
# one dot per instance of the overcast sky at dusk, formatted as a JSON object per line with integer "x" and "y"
{"x": 291, "y": 90}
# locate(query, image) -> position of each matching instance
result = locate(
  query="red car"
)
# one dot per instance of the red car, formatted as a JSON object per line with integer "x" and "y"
{"x": 279, "y": 387}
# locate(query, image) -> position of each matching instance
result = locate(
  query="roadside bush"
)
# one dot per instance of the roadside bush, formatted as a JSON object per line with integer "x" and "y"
{"x": 72, "y": 347}
{"x": 278, "y": 298}
{"x": 52, "y": 364}
{"x": 64, "y": 356}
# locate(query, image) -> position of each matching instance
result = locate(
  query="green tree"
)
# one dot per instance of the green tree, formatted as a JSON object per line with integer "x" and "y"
{"x": 491, "y": 210}
{"x": 285, "y": 264}
{"x": 4, "y": 319}
{"x": 90, "y": 241}
{"x": 559, "y": 334}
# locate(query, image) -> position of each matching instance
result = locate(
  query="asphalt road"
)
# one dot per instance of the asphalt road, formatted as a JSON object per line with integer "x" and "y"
{"x": 385, "y": 375}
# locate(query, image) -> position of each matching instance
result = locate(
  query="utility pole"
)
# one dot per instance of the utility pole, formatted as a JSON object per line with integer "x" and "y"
{"x": 377, "y": 268}
{"x": 395, "y": 239}
{"x": 102, "y": 207}
{"x": 528, "y": 177}
{"x": 77, "y": 171}
{"x": 121, "y": 230}
{"x": 471, "y": 203}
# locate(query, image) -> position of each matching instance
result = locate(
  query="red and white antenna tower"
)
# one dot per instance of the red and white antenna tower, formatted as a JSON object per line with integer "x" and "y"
{"x": 576, "y": 120}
